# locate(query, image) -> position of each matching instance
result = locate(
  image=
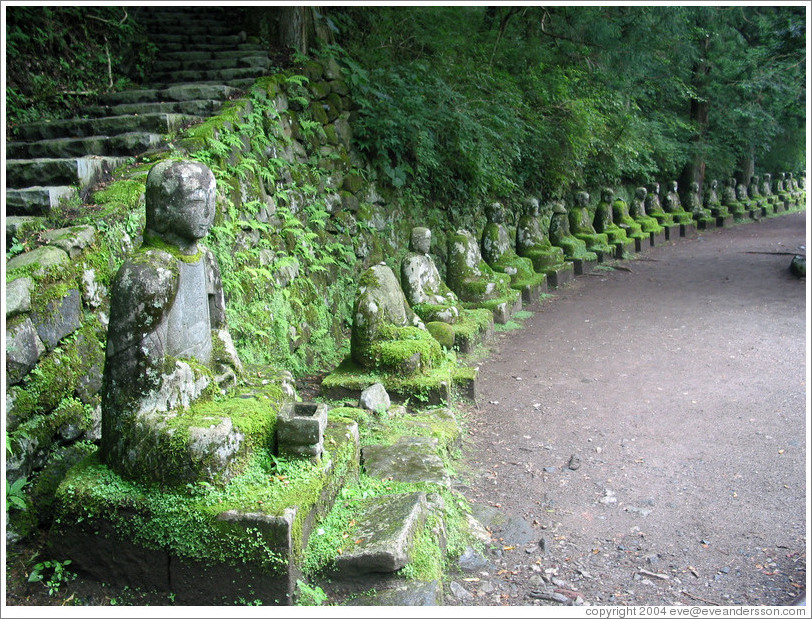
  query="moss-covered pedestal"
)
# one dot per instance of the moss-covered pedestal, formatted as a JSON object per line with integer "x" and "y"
{"x": 433, "y": 386}
{"x": 203, "y": 544}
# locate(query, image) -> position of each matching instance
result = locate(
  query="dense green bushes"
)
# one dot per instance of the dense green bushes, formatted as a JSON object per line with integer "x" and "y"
{"x": 460, "y": 103}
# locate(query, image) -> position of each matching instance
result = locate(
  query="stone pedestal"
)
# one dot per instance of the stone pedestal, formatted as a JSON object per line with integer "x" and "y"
{"x": 177, "y": 541}
{"x": 724, "y": 222}
{"x": 300, "y": 429}
{"x": 659, "y": 238}
{"x": 672, "y": 232}
{"x": 560, "y": 274}
{"x": 687, "y": 230}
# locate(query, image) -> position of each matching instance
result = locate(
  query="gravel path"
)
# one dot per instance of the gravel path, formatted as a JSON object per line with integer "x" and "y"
{"x": 642, "y": 440}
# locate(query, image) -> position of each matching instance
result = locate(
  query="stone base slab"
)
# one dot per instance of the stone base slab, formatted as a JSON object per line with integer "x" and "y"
{"x": 687, "y": 230}
{"x": 101, "y": 543}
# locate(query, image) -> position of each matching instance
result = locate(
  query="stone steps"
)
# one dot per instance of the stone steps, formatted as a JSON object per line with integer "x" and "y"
{"x": 130, "y": 143}
{"x": 203, "y": 60}
{"x": 83, "y": 172}
{"x": 104, "y": 126}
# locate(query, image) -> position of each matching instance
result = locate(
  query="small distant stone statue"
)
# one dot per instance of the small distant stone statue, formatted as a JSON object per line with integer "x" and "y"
{"x": 637, "y": 211}
{"x": 731, "y": 201}
{"x": 425, "y": 290}
{"x": 622, "y": 217}
{"x": 713, "y": 202}
{"x": 755, "y": 187}
{"x": 474, "y": 282}
{"x": 694, "y": 206}
{"x": 767, "y": 187}
{"x": 386, "y": 334}
{"x": 532, "y": 243}
{"x": 779, "y": 183}
{"x": 167, "y": 340}
{"x": 604, "y": 223}
{"x": 654, "y": 208}
{"x": 673, "y": 205}
{"x": 498, "y": 252}
{"x": 581, "y": 227}
{"x": 574, "y": 249}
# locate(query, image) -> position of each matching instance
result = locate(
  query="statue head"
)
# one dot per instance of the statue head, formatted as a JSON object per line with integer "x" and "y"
{"x": 494, "y": 212}
{"x": 607, "y": 194}
{"x": 531, "y": 207}
{"x": 640, "y": 193}
{"x": 694, "y": 187}
{"x": 731, "y": 182}
{"x": 581, "y": 199}
{"x": 674, "y": 186}
{"x": 654, "y": 188}
{"x": 768, "y": 177}
{"x": 420, "y": 242}
{"x": 714, "y": 184}
{"x": 559, "y": 208}
{"x": 180, "y": 201}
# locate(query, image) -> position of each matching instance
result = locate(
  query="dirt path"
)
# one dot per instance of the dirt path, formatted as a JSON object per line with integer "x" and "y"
{"x": 646, "y": 431}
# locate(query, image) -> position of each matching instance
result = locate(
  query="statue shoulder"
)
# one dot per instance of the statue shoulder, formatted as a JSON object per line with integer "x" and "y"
{"x": 143, "y": 290}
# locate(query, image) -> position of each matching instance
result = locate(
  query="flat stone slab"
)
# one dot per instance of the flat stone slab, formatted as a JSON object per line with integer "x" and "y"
{"x": 38, "y": 200}
{"x": 410, "y": 460}
{"x": 382, "y": 536}
{"x": 687, "y": 230}
{"x": 403, "y": 593}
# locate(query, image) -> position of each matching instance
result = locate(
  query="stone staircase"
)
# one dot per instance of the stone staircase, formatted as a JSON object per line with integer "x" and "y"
{"x": 203, "y": 59}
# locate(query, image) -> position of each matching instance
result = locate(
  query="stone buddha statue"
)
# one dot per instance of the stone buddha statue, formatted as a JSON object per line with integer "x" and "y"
{"x": 580, "y": 220}
{"x": 532, "y": 242}
{"x": 386, "y": 334}
{"x": 637, "y": 211}
{"x": 654, "y": 208}
{"x": 694, "y": 206}
{"x": 167, "y": 339}
{"x": 574, "y": 248}
{"x": 498, "y": 252}
{"x": 423, "y": 287}
{"x": 673, "y": 205}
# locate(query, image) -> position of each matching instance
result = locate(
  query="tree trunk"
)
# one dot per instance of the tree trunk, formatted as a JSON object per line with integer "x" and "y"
{"x": 694, "y": 171}
{"x": 747, "y": 167}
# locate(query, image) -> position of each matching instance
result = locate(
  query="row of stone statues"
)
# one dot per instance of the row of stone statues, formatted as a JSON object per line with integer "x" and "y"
{"x": 168, "y": 340}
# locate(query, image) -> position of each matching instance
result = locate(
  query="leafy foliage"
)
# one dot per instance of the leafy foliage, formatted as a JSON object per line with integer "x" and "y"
{"x": 463, "y": 103}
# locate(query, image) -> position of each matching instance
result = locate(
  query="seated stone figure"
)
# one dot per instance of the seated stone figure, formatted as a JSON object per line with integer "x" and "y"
{"x": 386, "y": 334}
{"x": 713, "y": 203}
{"x": 574, "y": 249}
{"x": 693, "y": 203}
{"x": 167, "y": 341}
{"x": 654, "y": 208}
{"x": 604, "y": 222}
{"x": 731, "y": 201}
{"x": 435, "y": 303}
{"x": 767, "y": 189}
{"x": 754, "y": 191}
{"x": 425, "y": 291}
{"x": 581, "y": 228}
{"x": 532, "y": 243}
{"x": 498, "y": 252}
{"x": 673, "y": 205}
{"x": 637, "y": 211}
{"x": 621, "y": 215}
{"x": 475, "y": 283}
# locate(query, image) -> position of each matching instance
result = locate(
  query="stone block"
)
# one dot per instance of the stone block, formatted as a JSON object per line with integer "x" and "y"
{"x": 403, "y": 593}
{"x": 43, "y": 258}
{"x": 23, "y": 349}
{"x": 72, "y": 240}
{"x": 126, "y": 542}
{"x": 18, "y": 296}
{"x": 560, "y": 274}
{"x": 300, "y": 428}
{"x": 384, "y": 531}
{"x": 59, "y": 318}
{"x": 658, "y": 238}
{"x": 409, "y": 460}
{"x": 349, "y": 379}
{"x": 687, "y": 230}
{"x": 374, "y": 398}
